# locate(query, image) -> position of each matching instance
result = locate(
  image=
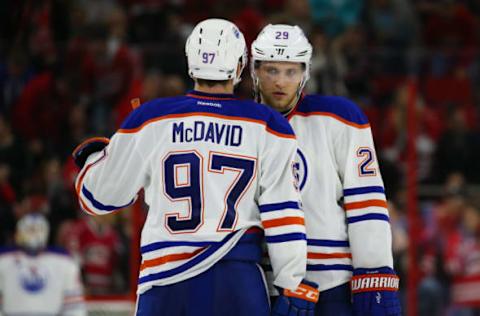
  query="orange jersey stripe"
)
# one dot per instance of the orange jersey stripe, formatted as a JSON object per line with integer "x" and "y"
{"x": 90, "y": 140}
{"x": 364, "y": 204}
{"x": 169, "y": 258}
{"x": 79, "y": 185}
{"x": 271, "y": 131}
{"x": 209, "y": 98}
{"x": 226, "y": 117}
{"x": 338, "y": 118}
{"x": 292, "y": 220}
{"x": 73, "y": 299}
{"x": 334, "y": 255}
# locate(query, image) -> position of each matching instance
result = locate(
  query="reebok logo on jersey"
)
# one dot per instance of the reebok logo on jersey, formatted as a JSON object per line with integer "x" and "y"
{"x": 382, "y": 282}
{"x": 217, "y": 105}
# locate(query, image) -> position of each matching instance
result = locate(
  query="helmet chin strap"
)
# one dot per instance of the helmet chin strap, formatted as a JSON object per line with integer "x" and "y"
{"x": 292, "y": 105}
{"x": 294, "y": 102}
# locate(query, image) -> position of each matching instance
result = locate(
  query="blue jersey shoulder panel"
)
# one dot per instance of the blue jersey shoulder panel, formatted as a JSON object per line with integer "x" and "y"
{"x": 58, "y": 251}
{"x": 232, "y": 108}
{"x": 8, "y": 249}
{"x": 334, "y": 105}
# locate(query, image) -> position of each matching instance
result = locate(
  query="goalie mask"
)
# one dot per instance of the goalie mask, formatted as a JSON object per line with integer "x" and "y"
{"x": 214, "y": 49}
{"x": 281, "y": 42}
{"x": 32, "y": 232}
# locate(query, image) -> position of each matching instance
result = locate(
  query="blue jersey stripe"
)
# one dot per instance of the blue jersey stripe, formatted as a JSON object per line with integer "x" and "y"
{"x": 367, "y": 217}
{"x": 246, "y": 238}
{"x": 279, "y": 206}
{"x": 99, "y": 205}
{"x": 338, "y": 106}
{"x": 230, "y": 109}
{"x": 285, "y": 237}
{"x": 327, "y": 267}
{"x": 363, "y": 190}
{"x": 328, "y": 243}
{"x": 167, "y": 244}
{"x": 187, "y": 265}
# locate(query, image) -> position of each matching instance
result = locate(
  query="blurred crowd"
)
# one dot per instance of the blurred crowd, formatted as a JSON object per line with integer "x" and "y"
{"x": 69, "y": 69}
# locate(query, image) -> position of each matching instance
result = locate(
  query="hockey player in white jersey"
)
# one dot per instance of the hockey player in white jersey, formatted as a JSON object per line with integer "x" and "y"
{"x": 35, "y": 280}
{"x": 217, "y": 174}
{"x": 348, "y": 230}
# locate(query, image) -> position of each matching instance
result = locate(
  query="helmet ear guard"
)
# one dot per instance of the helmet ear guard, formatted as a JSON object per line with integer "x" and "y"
{"x": 214, "y": 50}
{"x": 281, "y": 42}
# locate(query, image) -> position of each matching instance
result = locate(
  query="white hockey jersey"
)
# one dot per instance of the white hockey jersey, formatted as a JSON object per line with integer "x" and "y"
{"x": 342, "y": 190}
{"x": 212, "y": 167}
{"x": 45, "y": 284}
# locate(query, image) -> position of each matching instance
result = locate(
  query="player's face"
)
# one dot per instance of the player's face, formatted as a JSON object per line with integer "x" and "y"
{"x": 278, "y": 83}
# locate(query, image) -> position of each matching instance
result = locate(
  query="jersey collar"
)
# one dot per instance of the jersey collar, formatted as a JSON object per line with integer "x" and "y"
{"x": 295, "y": 108}
{"x": 210, "y": 96}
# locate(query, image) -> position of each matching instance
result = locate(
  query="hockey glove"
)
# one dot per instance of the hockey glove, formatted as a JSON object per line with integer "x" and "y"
{"x": 299, "y": 302}
{"x": 375, "y": 292}
{"x": 88, "y": 147}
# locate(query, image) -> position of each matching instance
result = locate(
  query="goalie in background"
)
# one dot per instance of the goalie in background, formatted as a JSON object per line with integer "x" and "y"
{"x": 36, "y": 280}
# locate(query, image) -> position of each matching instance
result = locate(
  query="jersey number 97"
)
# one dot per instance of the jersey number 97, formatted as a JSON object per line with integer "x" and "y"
{"x": 191, "y": 188}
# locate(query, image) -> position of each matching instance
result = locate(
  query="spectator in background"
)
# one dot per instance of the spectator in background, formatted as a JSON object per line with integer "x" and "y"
{"x": 42, "y": 109}
{"x": 61, "y": 200}
{"x": 321, "y": 79}
{"x": 392, "y": 23}
{"x": 295, "y": 12}
{"x": 12, "y": 153}
{"x": 440, "y": 221}
{"x": 392, "y": 128}
{"x": 458, "y": 149}
{"x": 351, "y": 62}
{"x": 249, "y": 19}
{"x": 151, "y": 87}
{"x": 7, "y": 200}
{"x": 94, "y": 243}
{"x": 393, "y": 28}
{"x": 174, "y": 85}
{"x": 95, "y": 11}
{"x": 14, "y": 75}
{"x": 462, "y": 261}
{"x": 335, "y": 17}
{"x": 107, "y": 72}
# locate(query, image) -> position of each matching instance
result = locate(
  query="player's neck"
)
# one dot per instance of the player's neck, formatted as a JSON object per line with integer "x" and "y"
{"x": 217, "y": 89}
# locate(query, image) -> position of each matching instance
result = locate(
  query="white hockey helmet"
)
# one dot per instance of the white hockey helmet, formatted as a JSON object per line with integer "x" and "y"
{"x": 214, "y": 49}
{"x": 281, "y": 42}
{"x": 32, "y": 232}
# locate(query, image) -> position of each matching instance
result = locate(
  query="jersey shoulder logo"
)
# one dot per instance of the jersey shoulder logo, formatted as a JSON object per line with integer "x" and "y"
{"x": 300, "y": 168}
